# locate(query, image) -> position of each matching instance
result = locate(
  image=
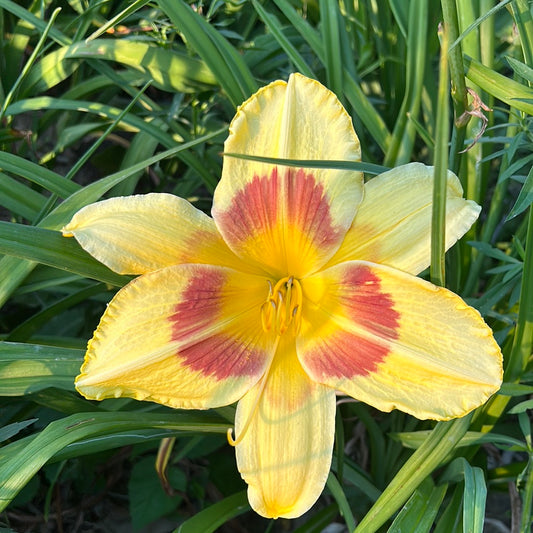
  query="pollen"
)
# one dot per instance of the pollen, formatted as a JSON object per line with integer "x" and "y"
{"x": 282, "y": 309}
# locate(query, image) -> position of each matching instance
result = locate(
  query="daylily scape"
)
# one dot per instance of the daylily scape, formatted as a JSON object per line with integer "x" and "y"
{"x": 301, "y": 285}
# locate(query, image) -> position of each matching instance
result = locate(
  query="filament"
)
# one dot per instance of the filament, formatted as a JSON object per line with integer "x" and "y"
{"x": 233, "y": 442}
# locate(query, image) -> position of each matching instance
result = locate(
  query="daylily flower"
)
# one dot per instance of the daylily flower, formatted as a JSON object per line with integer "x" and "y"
{"x": 303, "y": 283}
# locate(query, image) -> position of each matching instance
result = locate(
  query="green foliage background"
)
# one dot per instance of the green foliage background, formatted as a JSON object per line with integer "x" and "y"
{"x": 108, "y": 98}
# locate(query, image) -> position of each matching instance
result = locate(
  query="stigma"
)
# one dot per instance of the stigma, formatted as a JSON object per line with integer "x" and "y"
{"x": 282, "y": 309}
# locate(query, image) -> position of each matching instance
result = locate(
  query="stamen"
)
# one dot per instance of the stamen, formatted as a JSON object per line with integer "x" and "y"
{"x": 283, "y": 306}
{"x": 288, "y": 303}
{"x": 233, "y": 442}
{"x": 297, "y": 310}
{"x": 279, "y": 318}
{"x": 270, "y": 290}
{"x": 296, "y": 317}
{"x": 268, "y": 310}
{"x": 229, "y": 434}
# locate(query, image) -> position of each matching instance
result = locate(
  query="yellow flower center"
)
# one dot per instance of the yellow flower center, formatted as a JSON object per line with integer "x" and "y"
{"x": 283, "y": 306}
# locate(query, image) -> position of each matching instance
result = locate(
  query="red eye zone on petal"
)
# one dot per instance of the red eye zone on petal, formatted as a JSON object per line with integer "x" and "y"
{"x": 309, "y": 207}
{"x": 200, "y": 305}
{"x": 253, "y": 209}
{"x": 282, "y": 220}
{"x": 208, "y": 344}
{"x": 367, "y": 305}
{"x": 222, "y": 357}
{"x": 343, "y": 353}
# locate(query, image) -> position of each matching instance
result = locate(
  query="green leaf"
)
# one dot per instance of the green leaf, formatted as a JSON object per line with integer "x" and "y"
{"x": 211, "y": 518}
{"x": 94, "y": 191}
{"x": 331, "y": 41}
{"x": 116, "y": 440}
{"x": 36, "y": 22}
{"x": 487, "y": 14}
{"x": 19, "y": 198}
{"x": 474, "y": 499}
{"x": 369, "y": 168}
{"x": 471, "y": 438}
{"x": 525, "y": 425}
{"x": 226, "y": 64}
{"x": 6, "y": 432}
{"x": 147, "y": 499}
{"x": 509, "y": 91}
{"x": 51, "y": 181}
{"x": 273, "y": 25}
{"x": 27, "y": 68}
{"x": 514, "y": 168}
{"x": 142, "y": 147}
{"x": 17, "y": 468}
{"x": 125, "y": 13}
{"x": 171, "y": 70}
{"x": 400, "y": 10}
{"x": 521, "y": 407}
{"x": 14, "y": 51}
{"x": 515, "y": 389}
{"x": 520, "y": 68}
{"x": 360, "y": 103}
{"x": 50, "y": 71}
{"x": 303, "y": 27}
{"x": 420, "y": 510}
{"x": 130, "y": 122}
{"x": 13, "y": 270}
{"x": 28, "y": 368}
{"x": 52, "y": 249}
{"x": 319, "y": 522}
{"x": 441, "y": 441}
{"x": 438, "y": 214}
{"x": 370, "y": 118}
{"x": 358, "y": 478}
{"x": 25, "y": 330}
{"x": 450, "y": 519}
{"x": 344, "y": 508}
{"x": 521, "y": 11}
{"x": 72, "y": 134}
{"x": 495, "y": 253}
{"x": 525, "y": 197}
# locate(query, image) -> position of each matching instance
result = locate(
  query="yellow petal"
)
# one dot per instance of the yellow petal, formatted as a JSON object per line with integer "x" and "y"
{"x": 395, "y": 341}
{"x": 393, "y": 223}
{"x": 285, "y": 455}
{"x": 184, "y": 336}
{"x": 288, "y": 220}
{"x": 139, "y": 234}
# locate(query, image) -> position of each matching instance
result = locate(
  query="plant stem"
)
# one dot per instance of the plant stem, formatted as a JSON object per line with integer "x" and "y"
{"x": 438, "y": 219}
{"x": 523, "y": 338}
{"x": 459, "y": 93}
{"x": 527, "y": 502}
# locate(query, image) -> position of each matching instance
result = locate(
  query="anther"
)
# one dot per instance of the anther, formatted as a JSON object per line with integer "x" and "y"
{"x": 288, "y": 302}
{"x": 270, "y": 290}
{"x": 279, "y": 314}
{"x": 266, "y": 316}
